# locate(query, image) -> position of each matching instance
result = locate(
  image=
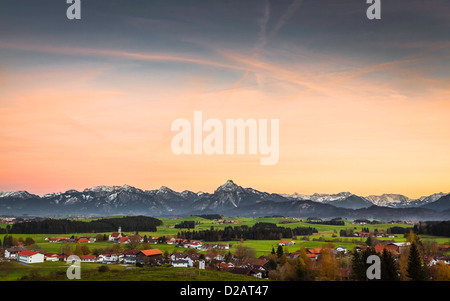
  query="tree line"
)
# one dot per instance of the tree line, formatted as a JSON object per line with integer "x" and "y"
{"x": 65, "y": 226}
{"x": 259, "y": 231}
{"x": 435, "y": 228}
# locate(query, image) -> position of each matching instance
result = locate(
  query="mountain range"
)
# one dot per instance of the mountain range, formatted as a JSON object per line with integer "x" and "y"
{"x": 229, "y": 199}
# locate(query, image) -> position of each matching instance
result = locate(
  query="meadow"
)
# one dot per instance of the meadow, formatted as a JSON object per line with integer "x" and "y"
{"x": 326, "y": 234}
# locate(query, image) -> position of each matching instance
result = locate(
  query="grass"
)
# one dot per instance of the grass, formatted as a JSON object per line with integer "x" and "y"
{"x": 12, "y": 271}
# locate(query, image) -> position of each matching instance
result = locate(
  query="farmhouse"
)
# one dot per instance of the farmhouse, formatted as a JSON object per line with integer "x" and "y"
{"x": 56, "y": 239}
{"x": 12, "y": 252}
{"x": 313, "y": 254}
{"x": 390, "y": 248}
{"x": 129, "y": 256}
{"x": 51, "y": 257}
{"x": 194, "y": 245}
{"x": 88, "y": 258}
{"x": 400, "y": 247}
{"x": 109, "y": 258}
{"x": 180, "y": 263}
{"x": 286, "y": 243}
{"x": 145, "y": 256}
{"x": 30, "y": 257}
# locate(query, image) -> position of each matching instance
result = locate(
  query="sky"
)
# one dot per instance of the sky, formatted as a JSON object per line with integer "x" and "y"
{"x": 362, "y": 104}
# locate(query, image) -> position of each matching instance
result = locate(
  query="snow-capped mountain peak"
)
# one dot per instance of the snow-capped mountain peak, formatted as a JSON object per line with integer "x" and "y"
{"x": 229, "y": 186}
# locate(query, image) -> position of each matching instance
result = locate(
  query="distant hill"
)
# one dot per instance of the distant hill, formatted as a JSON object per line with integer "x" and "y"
{"x": 228, "y": 199}
{"x": 441, "y": 204}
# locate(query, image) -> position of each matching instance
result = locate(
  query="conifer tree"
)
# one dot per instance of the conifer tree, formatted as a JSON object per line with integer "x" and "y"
{"x": 388, "y": 267}
{"x": 416, "y": 270}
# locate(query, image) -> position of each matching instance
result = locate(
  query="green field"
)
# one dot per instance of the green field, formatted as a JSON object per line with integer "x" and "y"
{"x": 325, "y": 235}
{"x": 12, "y": 271}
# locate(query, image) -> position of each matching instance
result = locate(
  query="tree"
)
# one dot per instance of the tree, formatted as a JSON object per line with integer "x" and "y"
{"x": 243, "y": 253}
{"x": 85, "y": 250}
{"x": 442, "y": 272}
{"x": 279, "y": 251}
{"x": 78, "y": 251}
{"x": 327, "y": 265}
{"x": 29, "y": 241}
{"x": 371, "y": 241}
{"x": 388, "y": 267}
{"x": 416, "y": 270}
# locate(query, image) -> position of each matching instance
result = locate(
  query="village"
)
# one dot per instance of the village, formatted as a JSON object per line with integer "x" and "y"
{"x": 200, "y": 255}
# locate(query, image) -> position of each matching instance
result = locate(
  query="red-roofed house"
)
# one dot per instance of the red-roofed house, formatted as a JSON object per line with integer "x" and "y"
{"x": 389, "y": 248}
{"x": 82, "y": 240}
{"x": 286, "y": 243}
{"x": 150, "y": 254}
{"x": 88, "y": 258}
{"x": 29, "y": 256}
{"x": 313, "y": 253}
{"x": 51, "y": 257}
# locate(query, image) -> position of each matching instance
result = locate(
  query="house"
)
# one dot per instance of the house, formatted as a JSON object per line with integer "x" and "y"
{"x": 51, "y": 257}
{"x": 286, "y": 243}
{"x": 247, "y": 270}
{"x": 122, "y": 240}
{"x": 224, "y": 265}
{"x": 390, "y": 248}
{"x": 180, "y": 263}
{"x": 194, "y": 245}
{"x": 88, "y": 258}
{"x": 360, "y": 248}
{"x": 109, "y": 258}
{"x": 400, "y": 247}
{"x": 145, "y": 256}
{"x": 313, "y": 254}
{"x": 11, "y": 253}
{"x": 56, "y": 239}
{"x": 29, "y": 256}
{"x": 435, "y": 260}
{"x": 190, "y": 258}
{"x": 87, "y": 239}
{"x": 171, "y": 241}
{"x": 364, "y": 234}
{"x": 223, "y": 246}
{"x": 129, "y": 256}
{"x": 340, "y": 249}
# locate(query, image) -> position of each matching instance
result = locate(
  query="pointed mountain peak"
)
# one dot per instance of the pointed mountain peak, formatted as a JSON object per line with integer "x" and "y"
{"x": 165, "y": 189}
{"x": 229, "y": 186}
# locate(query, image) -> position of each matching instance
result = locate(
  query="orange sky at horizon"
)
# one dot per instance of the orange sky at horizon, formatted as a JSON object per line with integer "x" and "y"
{"x": 368, "y": 129}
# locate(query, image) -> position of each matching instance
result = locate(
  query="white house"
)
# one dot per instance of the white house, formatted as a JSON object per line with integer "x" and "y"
{"x": 180, "y": 263}
{"x": 29, "y": 256}
{"x": 109, "y": 258}
{"x": 182, "y": 256}
{"x": 51, "y": 257}
{"x": 88, "y": 258}
{"x": 11, "y": 253}
{"x": 341, "y": 249}
{"x": 194, "y": 245}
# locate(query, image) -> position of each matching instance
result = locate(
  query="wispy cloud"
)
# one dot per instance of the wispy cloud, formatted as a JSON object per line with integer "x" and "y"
{"x": 264, "y": 37}
{"x": 119, "y": 54}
